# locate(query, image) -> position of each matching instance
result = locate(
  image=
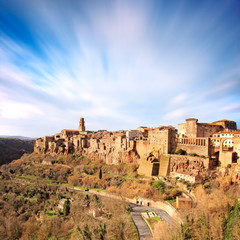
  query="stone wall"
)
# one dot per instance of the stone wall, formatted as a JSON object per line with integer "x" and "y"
{"x": 189, "y": 164}
{"x": 191, "y": 149}
{"x": 165, "y": 206}
{"x": 207, "y": 130}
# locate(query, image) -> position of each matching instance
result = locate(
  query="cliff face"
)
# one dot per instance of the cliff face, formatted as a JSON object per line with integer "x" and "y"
{"x": 111, "y": 147}
{"x": 117, "y": 147}
{"x": 188, "y": 164}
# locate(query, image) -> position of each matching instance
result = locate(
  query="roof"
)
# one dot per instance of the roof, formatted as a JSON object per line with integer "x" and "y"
{"x": 230, "y": 132}
{"x": 69, "y": 130}
{"x": 224, "y": 120}
{"x": 185, "y": 199}
{"x": 191, "y": 119}
{"x": 145, "y": 128}
{"x": 164, "y": 127}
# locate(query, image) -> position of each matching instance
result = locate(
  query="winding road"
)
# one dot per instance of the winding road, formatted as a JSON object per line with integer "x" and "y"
{"x": 143, "y": 229}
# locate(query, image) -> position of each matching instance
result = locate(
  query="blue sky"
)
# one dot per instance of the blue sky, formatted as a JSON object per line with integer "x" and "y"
{"x": 119, "y": 64}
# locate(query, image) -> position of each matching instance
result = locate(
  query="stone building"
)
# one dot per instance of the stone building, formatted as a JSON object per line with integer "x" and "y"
{"x": 225, "y": 147}
{"x": 153, "y": 148}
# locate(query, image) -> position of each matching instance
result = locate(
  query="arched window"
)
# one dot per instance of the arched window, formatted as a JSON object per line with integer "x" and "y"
{"x": 228, "y": 143}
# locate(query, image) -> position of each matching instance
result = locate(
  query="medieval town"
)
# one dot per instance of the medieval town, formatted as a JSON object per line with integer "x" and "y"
{"x": 188, "y": 152}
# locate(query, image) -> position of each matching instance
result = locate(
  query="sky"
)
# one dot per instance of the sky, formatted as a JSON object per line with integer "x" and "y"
{"x": 119, "y": 64}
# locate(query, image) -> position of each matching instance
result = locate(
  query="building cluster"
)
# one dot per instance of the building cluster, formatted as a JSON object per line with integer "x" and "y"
{"x": 186, "y": 152}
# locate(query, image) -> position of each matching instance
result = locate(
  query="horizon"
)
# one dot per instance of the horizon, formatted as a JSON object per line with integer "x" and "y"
{"x": 118, "y": 64}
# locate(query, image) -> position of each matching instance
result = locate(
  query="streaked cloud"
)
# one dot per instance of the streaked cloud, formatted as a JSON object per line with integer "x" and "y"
{"x": 119, "y": 64}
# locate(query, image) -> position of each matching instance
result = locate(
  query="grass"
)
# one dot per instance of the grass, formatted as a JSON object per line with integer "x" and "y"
{"x": 28, "y": 177}
{"x": 99, "y": 189}
{"x": 34, "y": 198}
{"x": 153, "y": 220}
{"x": 157, "y": 218}
{"x": 171, "y": 201}
{"x": 50, "y": 213}
{"x": 81, "y": 188}
{"x": 52, "y": 182}
{"x": 146, "y": 211}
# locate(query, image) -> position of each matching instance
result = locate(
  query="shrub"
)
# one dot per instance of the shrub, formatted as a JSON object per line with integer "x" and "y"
{"x": 181, "y": 152}
{"x": 193, "y": 154}
{"x": 159, "y": 185}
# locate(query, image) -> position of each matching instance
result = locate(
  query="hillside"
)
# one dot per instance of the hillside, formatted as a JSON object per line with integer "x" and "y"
{"x": 36, "y": 188}
{"x": 13, "y": 148}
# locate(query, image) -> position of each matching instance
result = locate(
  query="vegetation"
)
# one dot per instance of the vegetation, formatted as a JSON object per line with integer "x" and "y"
{"x": 79, "y": 171}
{"x": 216, "y": 214}
{"x": 66, "y": 208}
{"x": 100, "y": 173}
{"x": 181, "y": 152}
{"x": 12, "y": 149}
{"x": 160, "y": 185}
{"x": 30, "y": 211}
{"x": 34, "y": 187}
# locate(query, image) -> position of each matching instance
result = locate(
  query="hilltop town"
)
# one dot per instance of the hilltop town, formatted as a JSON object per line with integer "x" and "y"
{"x": 187, "y": 152}
{"x": 172, "y": 183}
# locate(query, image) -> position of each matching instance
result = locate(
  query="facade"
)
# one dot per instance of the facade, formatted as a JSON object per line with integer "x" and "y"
{"x": 183, "y": 203}
{"x": 187, "y": 176}
{"x": 132, "y": 134}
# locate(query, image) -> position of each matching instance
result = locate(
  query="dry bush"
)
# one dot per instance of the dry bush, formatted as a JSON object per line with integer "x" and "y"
{"x": 92, "y": 181}
{"x": 164, "y": 231}
{"x": 121, "y": 169}
{"x": 114, "y": 189}
{"x": 30, "y": 229}
{"x": 205, "y": 221}
{"x": 74, "y": 180}
{"x": 78, "y": 170}
{"x": 17, "y": 162}
{"x": 225, "y": 183}
{"x": 213, "y": 203}
{"x": 132, "y": 188}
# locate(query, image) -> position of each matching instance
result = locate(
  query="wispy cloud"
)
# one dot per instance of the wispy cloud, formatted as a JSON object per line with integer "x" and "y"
{"x": 118, "y": 64}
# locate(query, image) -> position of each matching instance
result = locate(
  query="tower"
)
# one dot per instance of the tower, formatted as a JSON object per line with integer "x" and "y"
{"x": 81, "y": 127}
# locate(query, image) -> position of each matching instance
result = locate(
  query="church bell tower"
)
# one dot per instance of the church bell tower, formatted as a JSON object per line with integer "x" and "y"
{"x": 81, "y": 127}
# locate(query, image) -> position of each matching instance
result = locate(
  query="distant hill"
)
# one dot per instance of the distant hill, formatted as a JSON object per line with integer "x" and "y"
{"x": 13, "y": 148}
{"x": 18, "y": 137}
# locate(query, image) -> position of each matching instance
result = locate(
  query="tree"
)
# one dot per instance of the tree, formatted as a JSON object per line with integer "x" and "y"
{"x": 100, "y": 173}
{"x": 66, "y": 207}
{"x": 101, "y": 231}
